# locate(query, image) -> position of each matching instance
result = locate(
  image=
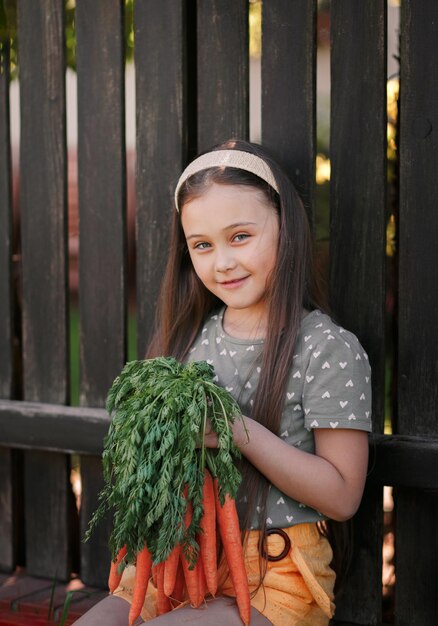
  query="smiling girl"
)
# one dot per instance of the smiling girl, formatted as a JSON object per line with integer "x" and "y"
{"x": 240, "y": 293}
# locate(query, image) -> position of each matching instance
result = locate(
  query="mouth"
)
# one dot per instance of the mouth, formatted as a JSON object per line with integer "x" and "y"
{"x": 231, "y": 284}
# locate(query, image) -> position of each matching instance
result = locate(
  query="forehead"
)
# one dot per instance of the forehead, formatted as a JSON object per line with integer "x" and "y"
{"x": 217, "y": 199}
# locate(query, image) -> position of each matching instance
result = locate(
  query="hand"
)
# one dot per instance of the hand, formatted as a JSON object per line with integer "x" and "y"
{"x": 210, "y": 437}
{"x": 241, "y": 431}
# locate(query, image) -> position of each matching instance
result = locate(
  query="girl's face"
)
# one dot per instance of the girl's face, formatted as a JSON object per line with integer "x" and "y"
{"x": 232, "y": 236}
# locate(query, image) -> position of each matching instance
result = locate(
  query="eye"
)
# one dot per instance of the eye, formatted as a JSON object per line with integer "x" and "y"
{"x": 202, "y": 245}
{"x": 240, "y": 237}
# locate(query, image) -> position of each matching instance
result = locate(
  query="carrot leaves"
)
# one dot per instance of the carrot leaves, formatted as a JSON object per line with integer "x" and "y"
{"x": 154, "y": 451}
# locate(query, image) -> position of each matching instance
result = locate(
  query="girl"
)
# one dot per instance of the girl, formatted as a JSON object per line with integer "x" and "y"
{"x": 240, "y": 292}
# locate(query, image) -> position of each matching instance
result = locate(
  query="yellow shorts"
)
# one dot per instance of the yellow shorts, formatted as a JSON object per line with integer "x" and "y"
{"x": 297, "y": 590}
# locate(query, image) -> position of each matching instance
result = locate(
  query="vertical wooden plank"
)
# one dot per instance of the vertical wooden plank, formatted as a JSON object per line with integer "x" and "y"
{"x": 102, "y": 235}
{"x": 7, "y": 521}
{"x": 223, "y": 71}
{"x": 417, "y": 595}
{"x": 357, "y": 247}
{"x": 289, "y": 89}
{"x": 416, "y": 587}
{"x": 43, "y": 175}
{"x": 161, "y": 114}
{"x": 11, "y": 509}
{"x": 6, "y": 325}
{"x": 418, "y": 230}
{"x": 43, "y": 199}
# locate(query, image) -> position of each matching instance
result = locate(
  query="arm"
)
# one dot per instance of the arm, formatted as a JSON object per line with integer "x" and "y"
{"x": 330, "y": 481}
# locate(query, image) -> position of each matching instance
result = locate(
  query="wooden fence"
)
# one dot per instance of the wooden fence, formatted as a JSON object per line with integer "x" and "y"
{"x": 192, "y": 90}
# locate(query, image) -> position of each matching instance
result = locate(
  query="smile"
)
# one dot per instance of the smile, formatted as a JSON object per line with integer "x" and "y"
{"x": 233, "y": 284}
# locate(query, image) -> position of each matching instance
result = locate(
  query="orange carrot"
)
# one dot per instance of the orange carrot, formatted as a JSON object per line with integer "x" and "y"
{"x": 229, "y": 530}
{"x": 170, "y": 570}
{"x": 207, "y": 538}
{"x": 154, "y": 575}
{"x": 191, "y": 576}
{"x": 202, "y": 584}
{"x": 114, "y": 576}
{"x": 178, "y": 590}
{"x": 163, "y": 602}
{"x": 192, "y": 580}
{"x": 142, "y": 573}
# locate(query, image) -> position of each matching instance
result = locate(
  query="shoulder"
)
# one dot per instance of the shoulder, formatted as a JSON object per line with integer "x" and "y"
{"x": 320, "y": 336}
{"x": 337, "y": 380}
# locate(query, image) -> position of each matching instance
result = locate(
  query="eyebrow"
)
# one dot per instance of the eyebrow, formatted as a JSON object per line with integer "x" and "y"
{"x": 230, "y": 227}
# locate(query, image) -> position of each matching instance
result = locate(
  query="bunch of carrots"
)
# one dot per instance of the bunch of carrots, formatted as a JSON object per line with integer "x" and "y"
{"x": 175, "y": 579}
{"x": 170, "y": 496}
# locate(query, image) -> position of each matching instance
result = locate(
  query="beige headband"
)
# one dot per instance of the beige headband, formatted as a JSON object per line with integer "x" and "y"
{"x": 228, "y": 158}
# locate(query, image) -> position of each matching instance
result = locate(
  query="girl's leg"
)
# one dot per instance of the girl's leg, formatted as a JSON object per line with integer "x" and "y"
{"x": 216, "y": 612}
{"x": 111, "y": 611}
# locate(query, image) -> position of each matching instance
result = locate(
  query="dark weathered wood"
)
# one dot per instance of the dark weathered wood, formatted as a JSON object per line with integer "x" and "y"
{"x": 53, "y": 427}
{"x": 43, "y": 170}
{"x": 416, "y": 558}
{"x": 417, "y": 514}
{"x": 44, "y": 483}
{"x": 7, "y": 521}
{"x": 395, "y": 460}
{"x": 404, "y": 461}
{"x": 418, "y": 230}
{"x": 6, "y": 326}
{"x": 289, "y": 89}
{"x": 43, "y": 176}
{"x": 95, "y": 554}
{"x": 161, "y": 143}
{"x": 101, "y": 194}
{"x": 358, "y": 178}
{"x": 357, "y": 245}
{"x": 102, "y": 237}
{"x": 223, "y": 71}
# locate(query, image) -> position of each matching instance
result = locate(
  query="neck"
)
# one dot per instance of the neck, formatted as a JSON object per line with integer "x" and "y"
{"x": 245, "y": 326}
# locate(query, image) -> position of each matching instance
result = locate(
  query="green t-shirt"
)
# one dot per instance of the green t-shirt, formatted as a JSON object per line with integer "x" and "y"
{"x": 329, "y": 387}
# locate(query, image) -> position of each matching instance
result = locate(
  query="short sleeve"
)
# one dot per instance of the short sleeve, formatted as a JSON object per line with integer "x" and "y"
{"x": 337, "y": 383}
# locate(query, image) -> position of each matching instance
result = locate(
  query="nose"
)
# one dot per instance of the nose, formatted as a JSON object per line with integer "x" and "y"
{"x": 225, "y": 260}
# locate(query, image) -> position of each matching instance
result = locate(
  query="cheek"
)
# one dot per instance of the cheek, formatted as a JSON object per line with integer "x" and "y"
{"x": 199, "y": 266}
{"x": 267, "y": 253}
